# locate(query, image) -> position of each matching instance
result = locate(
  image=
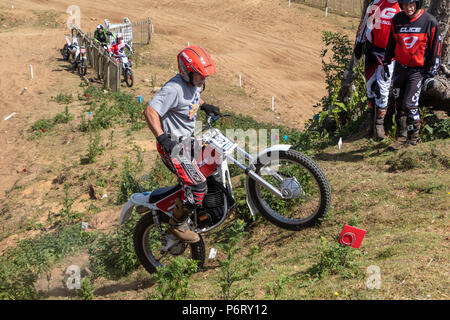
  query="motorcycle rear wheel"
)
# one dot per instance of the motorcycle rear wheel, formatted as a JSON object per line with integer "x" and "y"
{"x": 148, "y": 243}
{"x": 301, "y": 211}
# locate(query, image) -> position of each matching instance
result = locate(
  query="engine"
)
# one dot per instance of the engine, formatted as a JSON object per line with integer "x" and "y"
{"x": 212, "y": 209}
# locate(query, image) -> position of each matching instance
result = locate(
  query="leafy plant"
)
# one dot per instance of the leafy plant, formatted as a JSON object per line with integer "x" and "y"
{"x": 173, "y": 279}
{"x": 345, "y": 114}
{"x": 230, "y": 267}
{"x": 275, "y": 289}
{"x": 63, "y": 98}
{"x": 95, "y": 147}
{"x": 112, "y": 256}
{"x": 86, "y": 291}
{"x": 334, "y": 259}
{"x": 21, "y": 266}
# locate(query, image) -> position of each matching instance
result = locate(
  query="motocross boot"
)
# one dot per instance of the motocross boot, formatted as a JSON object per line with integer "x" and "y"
{"x": 368, "y": 124}
{"x": 413, "y": 133}
{"x": 178, "y": 225}
{"x": 379, "y": 133}
{"x": 402, "y": 137}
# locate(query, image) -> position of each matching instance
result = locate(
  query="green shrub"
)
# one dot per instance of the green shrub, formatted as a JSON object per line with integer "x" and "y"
{"x": 63, "y": 98}
{"x": 172, "y": 280}
{"x": 112, "y": 256}
{"x": 86, "y": 291}
{"x": 21, "y": 266}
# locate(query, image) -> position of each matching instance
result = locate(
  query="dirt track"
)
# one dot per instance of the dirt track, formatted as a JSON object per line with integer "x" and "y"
{"x": 274, "y": 48}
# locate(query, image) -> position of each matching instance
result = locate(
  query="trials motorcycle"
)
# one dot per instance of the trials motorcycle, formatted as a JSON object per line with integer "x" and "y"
{"x": 82, "y": 61}
{"x": 288, "y": 188}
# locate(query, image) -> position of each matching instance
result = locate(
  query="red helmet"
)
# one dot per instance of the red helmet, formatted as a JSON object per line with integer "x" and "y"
{"x": 195, "y": 59}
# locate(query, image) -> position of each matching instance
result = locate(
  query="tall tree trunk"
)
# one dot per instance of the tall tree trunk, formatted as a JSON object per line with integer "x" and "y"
{"x": 439, "y": 96}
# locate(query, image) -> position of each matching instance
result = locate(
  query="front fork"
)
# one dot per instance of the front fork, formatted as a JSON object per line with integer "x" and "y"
{"x": 249, "y": 171}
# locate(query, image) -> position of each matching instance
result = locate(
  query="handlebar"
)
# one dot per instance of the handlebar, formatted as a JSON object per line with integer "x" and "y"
{"x": 213, "y": 118}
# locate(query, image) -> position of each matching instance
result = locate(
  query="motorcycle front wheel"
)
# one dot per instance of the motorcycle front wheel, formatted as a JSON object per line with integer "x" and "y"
{"x": 156, "y": 249}
{"x": 129, "y": 79}
{"x": 82, "y": 67}
{"x": 308, "y": 194}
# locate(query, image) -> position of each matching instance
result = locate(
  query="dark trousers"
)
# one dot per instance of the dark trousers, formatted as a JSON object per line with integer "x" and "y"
{"x": 407, "y": 89}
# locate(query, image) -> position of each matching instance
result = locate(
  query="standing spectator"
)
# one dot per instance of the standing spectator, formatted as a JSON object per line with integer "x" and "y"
{"x": 372, "y": 39}
{"x": 415, "y": 43}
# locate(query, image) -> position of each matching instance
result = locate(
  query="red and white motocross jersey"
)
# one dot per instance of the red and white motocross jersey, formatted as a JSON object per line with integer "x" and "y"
{"x": 377, "y": 22}
{"x": 416, "y": 42}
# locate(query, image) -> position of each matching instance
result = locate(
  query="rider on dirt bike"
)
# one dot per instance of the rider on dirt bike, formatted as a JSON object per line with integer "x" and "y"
{"x": 171, "y": 116}
{"x": 101, "y": 36}
{"x": 117, "y": 49}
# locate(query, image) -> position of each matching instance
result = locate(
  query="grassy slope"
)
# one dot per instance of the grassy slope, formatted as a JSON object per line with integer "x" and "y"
{"x": 405, "y": 212}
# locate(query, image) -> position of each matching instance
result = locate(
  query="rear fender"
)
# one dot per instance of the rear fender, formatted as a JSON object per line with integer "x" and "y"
{"x": 136, "y": 199}
{"x": 126, "y": 212}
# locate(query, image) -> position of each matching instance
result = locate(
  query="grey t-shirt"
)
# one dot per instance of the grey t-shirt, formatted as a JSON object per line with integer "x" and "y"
{"x": 177, "y": 104}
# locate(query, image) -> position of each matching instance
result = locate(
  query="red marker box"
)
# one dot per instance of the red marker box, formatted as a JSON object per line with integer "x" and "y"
{"x": 351, "y": 236}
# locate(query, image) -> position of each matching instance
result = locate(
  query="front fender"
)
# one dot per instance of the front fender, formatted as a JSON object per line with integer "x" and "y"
{"x": 275, "y": 148}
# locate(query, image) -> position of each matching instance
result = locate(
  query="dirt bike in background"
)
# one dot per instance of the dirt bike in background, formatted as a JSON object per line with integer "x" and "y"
{"x": 285, "y": 186}
{"x": 126, "y": 64}
{"x": 82, "y": 61}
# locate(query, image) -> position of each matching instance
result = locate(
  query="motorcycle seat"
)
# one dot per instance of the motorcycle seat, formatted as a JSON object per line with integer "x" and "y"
{"x": 162, "y": 193}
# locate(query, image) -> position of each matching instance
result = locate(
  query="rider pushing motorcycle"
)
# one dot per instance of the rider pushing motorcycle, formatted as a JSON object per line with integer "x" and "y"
{"x": 171, "y": 116}
{"x": 74, "y": 49}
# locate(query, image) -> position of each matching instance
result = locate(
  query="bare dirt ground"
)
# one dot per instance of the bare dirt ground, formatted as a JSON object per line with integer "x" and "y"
{"x": 274, "y": 48}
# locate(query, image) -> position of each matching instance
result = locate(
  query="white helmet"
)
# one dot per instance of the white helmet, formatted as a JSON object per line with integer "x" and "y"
{"x": 99, "y": 26}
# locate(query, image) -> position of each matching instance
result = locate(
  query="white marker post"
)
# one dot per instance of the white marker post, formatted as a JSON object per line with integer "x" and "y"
{"x": 273, "y": 103}
{"x": 240, "y": 80}
{"x": 289, "y": 3}
{"x": 10, "y": 116}
{"x": 340, "y": 144}
{"x": 31, "y": 71}
{"x": 212, "y": 253}
{"x": 189, "y": 44}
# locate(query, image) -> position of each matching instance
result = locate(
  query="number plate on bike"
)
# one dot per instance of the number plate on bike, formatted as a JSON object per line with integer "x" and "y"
{"x": 221, "y": 142}
{"x": 83, "y": 50}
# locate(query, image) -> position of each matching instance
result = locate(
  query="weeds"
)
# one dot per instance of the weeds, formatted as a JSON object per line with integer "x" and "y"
{"x": 173, "y": 279}
{"x": 86, "y": 291}
{"x": 334, "y": 259}
{"x": 95, "y": 147}
{"x": 40, "y": 127}
{"x": 63, "y": 98}
{"x": 230, "y": 268}
{"x": 275, "y": 289}
{"x": 66, "y": 215}
{"x": 21, "y": 266}
{"x": 112, "y": 256}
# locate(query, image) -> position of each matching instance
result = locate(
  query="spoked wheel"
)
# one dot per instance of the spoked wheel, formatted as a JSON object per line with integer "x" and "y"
{"x": 129, "y": 79}
{"x": 307, "y": 195}
{"x": 82, "y": 67}
{"x": 155, "y": 249}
